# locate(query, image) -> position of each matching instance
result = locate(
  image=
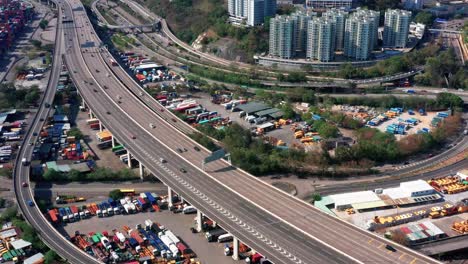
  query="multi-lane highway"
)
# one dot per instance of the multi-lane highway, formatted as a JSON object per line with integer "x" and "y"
{"x": 278, "y": 225}
{"x": 21, "y": 173}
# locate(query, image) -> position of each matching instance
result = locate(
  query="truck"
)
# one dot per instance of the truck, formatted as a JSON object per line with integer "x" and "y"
{"x": 213, "y": 235}
{"x": 151, "y": 198}
{"x": 53, "y": 216}
{"x": 135, "y": 235}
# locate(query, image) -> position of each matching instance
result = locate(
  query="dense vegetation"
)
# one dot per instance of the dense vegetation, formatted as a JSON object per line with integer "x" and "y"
{"x": 425, "y": 18}
{"x": 99, "y": 174}
{"x": 190, "y": 18}
{"x": 438, "y": 68}
{"x": 10, "y": 97}
{"x": 442, "y": 101}
{"x": 252, "y": 154}
{"x": 223, "y": 76}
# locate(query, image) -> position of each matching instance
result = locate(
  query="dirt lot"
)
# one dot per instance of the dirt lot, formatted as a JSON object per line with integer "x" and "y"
{"x": 208, "y": 253}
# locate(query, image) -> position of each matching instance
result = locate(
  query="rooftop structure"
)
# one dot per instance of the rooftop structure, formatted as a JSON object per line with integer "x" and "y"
{"x": 252, "y": 107}
{"x": 20, "y": 244}
{"x": 327, "y": 4}
{"x": 345, "y": 200}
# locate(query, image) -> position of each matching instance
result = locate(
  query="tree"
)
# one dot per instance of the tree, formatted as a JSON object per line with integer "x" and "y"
{"x": 316, "y": 197}
{"x": 75, "y": 132}
{"x": 425, "y": 18}
{"x": 9, "y": 214}
{"x": 36, "y": 43}
{"x": 309, "y": 96}
{"x": 43, "y": 24}
{"x": 449, "y": 100}
{"x": 116, "y": 194}
{"x": 288, "y": 111}
{"x": 50, "y": 257}
{"x": 52, "y": 175}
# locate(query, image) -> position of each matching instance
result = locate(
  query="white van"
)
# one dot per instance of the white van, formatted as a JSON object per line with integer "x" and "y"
{"x": 189, "y": 210}
{"x": 225, "y": 238}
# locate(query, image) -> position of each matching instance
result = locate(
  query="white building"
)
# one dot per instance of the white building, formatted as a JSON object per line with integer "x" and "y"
{"x": 361, "y": 33}
{"x": 410, "y": 189}
{"x": 319, "y": 39}
{"x": 252, "y": 12}
{"x": 346, "y": 200}
{"x": 396, "y": 28}
{"x": 338, "y": 26}
{"x": 281, "y": 37}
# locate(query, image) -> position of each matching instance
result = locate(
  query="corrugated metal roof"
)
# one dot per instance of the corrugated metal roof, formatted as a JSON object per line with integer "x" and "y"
{"x": 252, "y": 107}
{"x": 34, "y": 259}
{"x": 20, "y": 243}
{"x": 267, "y": 112}
{"x": 368, "y": 205}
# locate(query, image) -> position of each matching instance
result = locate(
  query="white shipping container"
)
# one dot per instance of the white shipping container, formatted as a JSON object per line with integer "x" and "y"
{"x": 172, "y": 237}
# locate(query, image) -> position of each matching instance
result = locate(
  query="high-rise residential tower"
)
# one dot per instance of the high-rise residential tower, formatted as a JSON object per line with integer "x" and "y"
{"x": 253, "y": 12}
{"x": 338, "y": 17}
{"x": 256, "y": 12}
{"x": 320, "y": 38}
{"x": 301, "y": 20}
{"x": 281, "y": 37}
{"x": 396, "y": 27}
{"x": 360, "y": 36}
{"x": 238, "y": 8}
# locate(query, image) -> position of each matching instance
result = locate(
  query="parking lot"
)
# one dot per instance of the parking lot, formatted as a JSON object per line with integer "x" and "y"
{"x": 207, "y": 253}
{"x": 424, "y": 122}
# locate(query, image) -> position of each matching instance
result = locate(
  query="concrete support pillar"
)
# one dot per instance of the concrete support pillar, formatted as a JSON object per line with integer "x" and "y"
{"x": 113, "y": 141}
{"x": 181, "y": 198}
{"x": 235, "y": 249}
{"x": 169, "y": 196}
{"x": 199, "y": 221}
{"x": 129, "y": 160}
{"x": 142, "y": 171}
{"x": 100, "y": 126}
{"x": 91, "y": 115}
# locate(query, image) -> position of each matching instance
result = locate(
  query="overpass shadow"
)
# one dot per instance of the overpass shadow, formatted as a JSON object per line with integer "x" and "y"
{"x": 225, "y": 169}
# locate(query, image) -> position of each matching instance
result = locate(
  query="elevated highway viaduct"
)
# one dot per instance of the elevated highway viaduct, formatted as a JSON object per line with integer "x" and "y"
{"x": 281, "y": 227}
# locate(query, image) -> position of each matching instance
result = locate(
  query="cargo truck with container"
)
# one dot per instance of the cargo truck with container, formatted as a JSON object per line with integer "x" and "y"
{"x": 213, "y": 235}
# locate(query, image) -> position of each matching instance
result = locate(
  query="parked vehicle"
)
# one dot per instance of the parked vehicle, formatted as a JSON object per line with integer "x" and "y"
{"x": 189, "y": 210}
{"x": 213, "y": 235}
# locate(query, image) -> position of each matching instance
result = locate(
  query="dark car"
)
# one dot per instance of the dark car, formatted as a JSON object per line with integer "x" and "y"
{"x": 35, "y": 134}
{"x": 41, "y": 119}
{"x": 406, "y": 163}
{"x": 47, "y": 105}
{"x": 108, "y": 112}
{"x": 174, "y": 120}
{"x": 179, "y": 150}
{"x": 183, "y": 170}
{"x": 196, "y": 148}
{"x": 388, "y": 247}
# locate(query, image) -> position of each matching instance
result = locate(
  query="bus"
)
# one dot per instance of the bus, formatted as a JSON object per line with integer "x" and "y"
{"x": 128, "y": 192}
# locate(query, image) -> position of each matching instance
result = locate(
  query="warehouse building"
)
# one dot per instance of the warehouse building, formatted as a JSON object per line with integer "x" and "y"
{"x": 408, "y": 193}
{"x": 251, "y": 107}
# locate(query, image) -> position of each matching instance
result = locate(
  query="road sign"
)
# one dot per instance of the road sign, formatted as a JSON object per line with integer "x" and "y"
{"x": 219, "y": 154}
